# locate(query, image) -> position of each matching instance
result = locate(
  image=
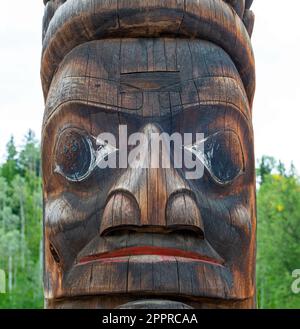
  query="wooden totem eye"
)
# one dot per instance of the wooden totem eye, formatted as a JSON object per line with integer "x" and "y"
{"x": 223, "y": 157}
{"x": 74, "y": 155}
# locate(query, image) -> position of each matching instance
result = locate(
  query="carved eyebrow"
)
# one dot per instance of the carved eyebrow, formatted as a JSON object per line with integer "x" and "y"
{"x": 150, "y": 81}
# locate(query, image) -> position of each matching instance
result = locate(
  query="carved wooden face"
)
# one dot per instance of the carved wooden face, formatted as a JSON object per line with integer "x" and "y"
{"x": 140, "y": 233}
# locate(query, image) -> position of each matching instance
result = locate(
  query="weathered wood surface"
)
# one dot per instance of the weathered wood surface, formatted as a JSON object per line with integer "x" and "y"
{"x": 81, "y": 21}
{"x": 120, "y": 235}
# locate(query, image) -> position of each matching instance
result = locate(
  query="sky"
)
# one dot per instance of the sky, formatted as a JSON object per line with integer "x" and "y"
{"x": 276, "y": 37}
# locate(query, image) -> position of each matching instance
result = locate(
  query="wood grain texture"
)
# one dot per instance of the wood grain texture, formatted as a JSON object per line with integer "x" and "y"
{"x": 212, "y": 20}
{"x": 147, "y": 236}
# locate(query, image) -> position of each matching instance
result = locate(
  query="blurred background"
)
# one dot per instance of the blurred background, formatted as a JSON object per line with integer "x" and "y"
{"x": 276, "y": 122}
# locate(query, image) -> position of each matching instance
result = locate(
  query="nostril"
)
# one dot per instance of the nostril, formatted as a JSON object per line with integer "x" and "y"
{"x": 183, "y": 214}
{"x": 191, "y": 231}
{"x": 54, "y": 253}
{"x": 121, "y": 213}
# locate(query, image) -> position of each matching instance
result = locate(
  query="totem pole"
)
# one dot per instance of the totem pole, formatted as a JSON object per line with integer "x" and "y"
{"x": 120, "y": 236}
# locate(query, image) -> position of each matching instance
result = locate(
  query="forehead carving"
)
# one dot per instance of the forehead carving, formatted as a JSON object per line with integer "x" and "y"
{"x": 148, "y": 77}
{"x": 212, "y": 20}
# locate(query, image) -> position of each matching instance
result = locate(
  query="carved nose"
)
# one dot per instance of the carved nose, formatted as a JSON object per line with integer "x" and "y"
{"x": 151, "y": 199}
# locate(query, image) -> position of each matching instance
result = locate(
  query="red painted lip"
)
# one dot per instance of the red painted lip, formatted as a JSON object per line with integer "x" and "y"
{"x": 145, "y": 251}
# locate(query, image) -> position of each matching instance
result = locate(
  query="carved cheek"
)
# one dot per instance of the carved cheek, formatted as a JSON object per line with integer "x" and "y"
{"x": 61, "y": 212}
{"x": 69, "y": 228}
{"x": 229, "y": 229}
{"x": 241, "y": 220}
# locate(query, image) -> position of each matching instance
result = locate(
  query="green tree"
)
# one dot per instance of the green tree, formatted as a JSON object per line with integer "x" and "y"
{"x": 29, "y": 158}
{"x": 278, "y": 203}
{"x": 21, "y": 225}
{"x": 10, "y": 167}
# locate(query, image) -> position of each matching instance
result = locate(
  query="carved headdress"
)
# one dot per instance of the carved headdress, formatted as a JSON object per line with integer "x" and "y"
{"x": 228, "y": 24}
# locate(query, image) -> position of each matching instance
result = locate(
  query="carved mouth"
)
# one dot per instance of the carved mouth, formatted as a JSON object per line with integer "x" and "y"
{"x": 148, "y": 264}
{"x": 120, "y": 255}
